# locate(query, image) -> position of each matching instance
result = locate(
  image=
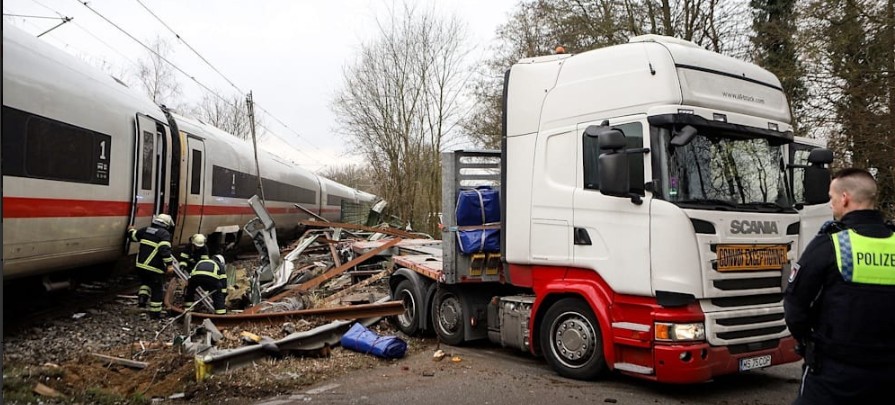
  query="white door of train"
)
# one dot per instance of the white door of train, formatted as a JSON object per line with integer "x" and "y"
{"x": 149, "y": 151}
{"x": 194, "y": 206}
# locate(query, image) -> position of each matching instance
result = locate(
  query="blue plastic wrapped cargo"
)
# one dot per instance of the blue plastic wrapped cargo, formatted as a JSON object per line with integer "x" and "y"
{"x": 361, "y": 339}
{"x": 479, "y": 241}
{"x": 478, "y": 206}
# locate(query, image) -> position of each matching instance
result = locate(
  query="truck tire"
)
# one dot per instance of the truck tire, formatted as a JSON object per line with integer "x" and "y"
{"x": 409, "y": 321}
{"x": 448, "y": 315}
{"x": 571, "y": 341}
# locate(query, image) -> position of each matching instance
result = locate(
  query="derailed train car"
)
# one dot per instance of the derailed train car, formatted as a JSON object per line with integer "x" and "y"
{"x": 83, "y": 156}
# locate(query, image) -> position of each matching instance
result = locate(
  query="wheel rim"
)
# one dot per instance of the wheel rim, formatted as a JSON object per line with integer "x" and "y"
{"x": 406, "y": 318}
{"x": 449, "y": 315}
{"x": 572, "y": 339}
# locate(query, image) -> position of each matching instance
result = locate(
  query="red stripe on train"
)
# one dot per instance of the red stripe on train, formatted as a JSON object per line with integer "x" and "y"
{"x": 22, "y": 207}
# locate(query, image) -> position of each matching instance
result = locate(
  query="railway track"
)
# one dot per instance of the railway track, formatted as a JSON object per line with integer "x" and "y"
{"x": 26, "y": 302}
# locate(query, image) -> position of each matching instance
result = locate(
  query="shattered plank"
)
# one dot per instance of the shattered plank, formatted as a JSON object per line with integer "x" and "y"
{"x": 335, "y": 297}
{"x": 46, "y": 391}
{"x": 332, "y": 249}
{"x": 124, "y": 362}
{"x": 325, "y": 276}
{"x": 316, "y": 281}
{"x": 387, "y": 231}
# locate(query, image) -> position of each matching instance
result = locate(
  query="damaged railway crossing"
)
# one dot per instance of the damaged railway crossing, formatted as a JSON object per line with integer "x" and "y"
{"x": 322, "y": 277}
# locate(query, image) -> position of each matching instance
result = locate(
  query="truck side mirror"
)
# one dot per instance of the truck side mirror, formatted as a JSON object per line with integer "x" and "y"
{"x": 817, "y": 177}
{"x": 613, "y": 163}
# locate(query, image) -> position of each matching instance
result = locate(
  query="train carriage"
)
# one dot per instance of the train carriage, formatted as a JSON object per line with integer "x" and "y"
{"x": 83, "y": 156}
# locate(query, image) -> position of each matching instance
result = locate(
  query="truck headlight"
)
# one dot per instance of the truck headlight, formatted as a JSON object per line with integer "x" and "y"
{"x": 676, "y": 332}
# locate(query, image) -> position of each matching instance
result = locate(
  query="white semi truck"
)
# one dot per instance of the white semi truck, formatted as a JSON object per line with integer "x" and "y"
{"x": 648, "y": 218}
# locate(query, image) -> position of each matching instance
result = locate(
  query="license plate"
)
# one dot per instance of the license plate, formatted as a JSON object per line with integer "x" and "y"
{"x": 750, "y": 363}
{"x": 750, "y": 257}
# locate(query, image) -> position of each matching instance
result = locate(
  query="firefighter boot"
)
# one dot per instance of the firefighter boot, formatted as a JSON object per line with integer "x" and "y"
{"x": 142, "y": 300}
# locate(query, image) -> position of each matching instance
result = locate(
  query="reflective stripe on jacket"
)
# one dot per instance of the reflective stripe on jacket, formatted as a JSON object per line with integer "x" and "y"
{"x": 155, "y": 248}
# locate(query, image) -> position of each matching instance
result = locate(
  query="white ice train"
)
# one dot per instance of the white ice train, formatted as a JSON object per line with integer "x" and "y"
{"x": 83, "y": 156}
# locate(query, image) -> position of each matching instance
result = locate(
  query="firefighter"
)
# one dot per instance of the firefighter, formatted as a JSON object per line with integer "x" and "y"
{"x": 840, "y": 301}
{"x": 208, "y": 273}
{"x": 154, "y": 260}
{"x": 193, "y": 253}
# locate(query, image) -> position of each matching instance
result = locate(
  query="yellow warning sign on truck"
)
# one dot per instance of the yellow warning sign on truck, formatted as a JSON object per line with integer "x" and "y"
{"x": 750, "y": 257}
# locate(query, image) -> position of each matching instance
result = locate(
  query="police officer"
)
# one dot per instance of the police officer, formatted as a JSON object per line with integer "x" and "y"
{"x": 840, "y": 302}
{"x": 208, "y": 273}
{"x": 193, "y": 253}
{"x": 153, "y": 260}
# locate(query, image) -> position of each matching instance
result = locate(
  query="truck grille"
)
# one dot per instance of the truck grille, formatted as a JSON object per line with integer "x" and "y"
{"x": 743, "y": 326}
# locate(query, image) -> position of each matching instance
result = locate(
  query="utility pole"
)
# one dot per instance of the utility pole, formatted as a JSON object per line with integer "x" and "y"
{"x": 251, "y": 108}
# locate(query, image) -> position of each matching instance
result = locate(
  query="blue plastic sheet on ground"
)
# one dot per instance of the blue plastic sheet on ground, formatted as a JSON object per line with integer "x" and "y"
{"x": 361, "y": 339}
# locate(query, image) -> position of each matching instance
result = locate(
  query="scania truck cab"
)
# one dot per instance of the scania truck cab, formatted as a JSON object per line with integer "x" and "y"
{"x": 647, "y": 217}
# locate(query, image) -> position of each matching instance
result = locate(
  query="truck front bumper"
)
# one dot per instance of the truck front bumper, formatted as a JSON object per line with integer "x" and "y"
{"x": 693, "y": 363}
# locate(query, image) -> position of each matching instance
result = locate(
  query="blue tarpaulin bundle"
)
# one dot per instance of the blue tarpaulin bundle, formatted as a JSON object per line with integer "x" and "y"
{"x": 361, "y": 339}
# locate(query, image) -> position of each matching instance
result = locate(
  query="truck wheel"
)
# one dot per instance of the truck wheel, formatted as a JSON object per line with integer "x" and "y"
{"x": 449, "y": 316}
{"x": 409, "y": 321}
{"x": 571, "y": 341}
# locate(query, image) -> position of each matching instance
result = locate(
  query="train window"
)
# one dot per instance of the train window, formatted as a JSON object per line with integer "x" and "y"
{"x": 147, "y": 160}
{"x": 333, "y": 200}
{"x": 38, "y": 147}
{"x": 235, "y": 184}
{"x": 195, "y": 180}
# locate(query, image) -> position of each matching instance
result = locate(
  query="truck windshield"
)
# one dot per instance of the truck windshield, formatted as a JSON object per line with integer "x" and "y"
{"x": 723, "y": 173}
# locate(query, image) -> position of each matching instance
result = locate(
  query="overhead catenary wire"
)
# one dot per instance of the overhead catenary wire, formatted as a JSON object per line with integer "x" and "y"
{"x": 216, "y": 70}
{"x": 208, "y": 89}
{"x": 33, "y": 16}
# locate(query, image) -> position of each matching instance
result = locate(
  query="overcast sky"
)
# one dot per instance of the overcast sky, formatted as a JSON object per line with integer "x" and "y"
{"x": 289, "y": 53}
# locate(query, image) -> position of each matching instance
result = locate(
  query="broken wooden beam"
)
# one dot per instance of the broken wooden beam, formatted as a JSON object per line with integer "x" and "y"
{"x": 124, "y": 362}
{"x": 316, "y": 281}
{"x": 387, "y": 231}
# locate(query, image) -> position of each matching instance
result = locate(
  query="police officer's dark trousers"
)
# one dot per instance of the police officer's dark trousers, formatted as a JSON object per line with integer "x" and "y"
{"x": 834, "y": 382}
{"x": 209, "y": 284}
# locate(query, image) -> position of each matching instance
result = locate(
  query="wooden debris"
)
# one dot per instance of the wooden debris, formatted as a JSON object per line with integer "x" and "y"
{"x": 45, "y": 391}
{"x": 124, "y": 362}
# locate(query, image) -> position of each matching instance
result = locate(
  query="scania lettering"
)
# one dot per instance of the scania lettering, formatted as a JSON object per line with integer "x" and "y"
{"x": 648, "y": 218}
{"x": 744, "y": 227}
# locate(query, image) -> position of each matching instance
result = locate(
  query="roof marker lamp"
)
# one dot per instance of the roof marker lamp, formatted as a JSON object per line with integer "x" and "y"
{"x": 679, "y": 332}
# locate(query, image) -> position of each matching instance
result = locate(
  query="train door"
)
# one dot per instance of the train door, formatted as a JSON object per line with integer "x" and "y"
{"x": 149, "y": 155}
{"x": 195, "y": 186}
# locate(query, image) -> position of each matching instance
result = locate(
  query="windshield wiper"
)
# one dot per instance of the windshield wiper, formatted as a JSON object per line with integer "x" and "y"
{"x": 720, "y": 205}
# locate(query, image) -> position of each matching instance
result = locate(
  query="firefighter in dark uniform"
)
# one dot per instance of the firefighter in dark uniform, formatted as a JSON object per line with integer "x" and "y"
{"x": 840, "y": 301}
{"x": 193, "y": 253}
{"x": 154, "y": 260}
{"x": 210, "y": 274}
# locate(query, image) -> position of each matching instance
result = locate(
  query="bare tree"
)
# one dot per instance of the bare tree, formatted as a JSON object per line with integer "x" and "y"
{"x": 849, "y": 46}
{"x": 537, "y": 27}
{"x": 355, "y": 176}
{"x": 400, "y": 105}
{"x": 775, "y": 48}
{"x": 156, "y": 77}
{"x": 228, "y": 113}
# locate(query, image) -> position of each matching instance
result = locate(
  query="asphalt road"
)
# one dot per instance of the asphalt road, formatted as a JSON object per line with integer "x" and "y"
{"x": 487, "y": 374}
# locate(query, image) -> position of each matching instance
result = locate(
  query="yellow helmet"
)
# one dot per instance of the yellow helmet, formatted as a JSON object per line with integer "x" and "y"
{"x": 198, "y": 240}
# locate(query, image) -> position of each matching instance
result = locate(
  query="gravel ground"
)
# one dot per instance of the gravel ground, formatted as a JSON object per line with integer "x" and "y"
{"x": 56, "y": 352}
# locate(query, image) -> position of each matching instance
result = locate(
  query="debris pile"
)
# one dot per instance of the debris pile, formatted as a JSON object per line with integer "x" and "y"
{"x": 287, "y": 311}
